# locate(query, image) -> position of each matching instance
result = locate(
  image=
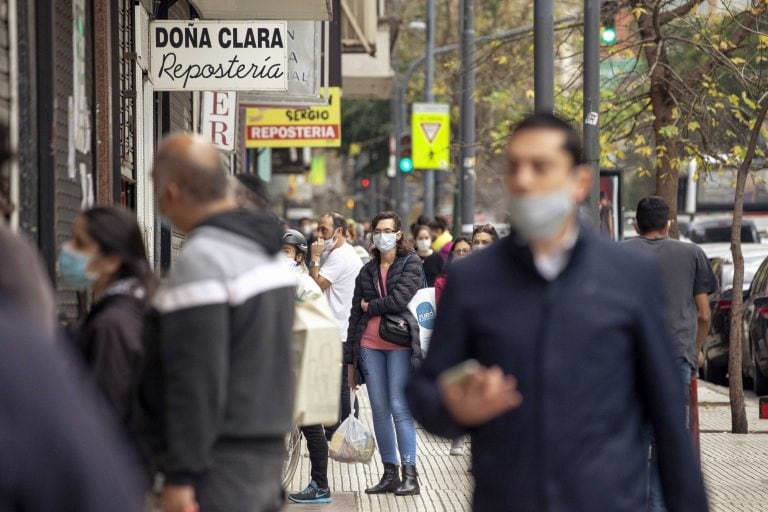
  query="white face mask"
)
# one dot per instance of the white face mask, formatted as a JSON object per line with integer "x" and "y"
{"x": 540, "y": 217}
{"x": 291, "y": 264}
{"x": 385, "y": 242}
{"x": 330, "y": 244}
{"x": 423, "y": 245}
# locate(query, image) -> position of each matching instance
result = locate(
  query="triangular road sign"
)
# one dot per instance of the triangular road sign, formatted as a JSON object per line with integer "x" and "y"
{"x": 430, "y": 130}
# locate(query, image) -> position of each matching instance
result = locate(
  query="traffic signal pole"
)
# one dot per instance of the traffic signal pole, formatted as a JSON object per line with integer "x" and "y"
{"x": 429, "y": 96}
{"x": 591, "y": 126}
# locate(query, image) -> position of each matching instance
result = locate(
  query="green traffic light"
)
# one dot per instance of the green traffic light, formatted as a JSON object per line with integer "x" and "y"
{"x": 608, "y": 35}
{"x": 406, "y": 164}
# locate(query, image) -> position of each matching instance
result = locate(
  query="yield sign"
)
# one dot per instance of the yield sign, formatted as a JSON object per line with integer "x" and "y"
{"x": 430, "y": 130}
{"x": 431, "y": 136}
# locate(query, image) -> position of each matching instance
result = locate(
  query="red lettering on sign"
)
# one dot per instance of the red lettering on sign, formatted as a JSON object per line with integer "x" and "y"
{"x": 219, "y": 102}
{"x": 219, "y": 129}
{"x": 288, "y": 132}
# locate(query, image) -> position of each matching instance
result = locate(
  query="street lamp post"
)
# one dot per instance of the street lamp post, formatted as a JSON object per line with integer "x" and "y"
{"x": 467, "y": 158}
{"x": 592, "y": 99}
{"x": 544, "y": 56}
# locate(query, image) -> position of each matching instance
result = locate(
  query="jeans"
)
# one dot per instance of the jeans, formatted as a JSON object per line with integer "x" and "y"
{"x": 318, "y": 453}
{"x": 386, "y": 373}
{"x": 655, "y": 494}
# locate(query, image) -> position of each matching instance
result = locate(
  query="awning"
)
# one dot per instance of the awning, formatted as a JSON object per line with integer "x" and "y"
{"x": 264, "y": 9}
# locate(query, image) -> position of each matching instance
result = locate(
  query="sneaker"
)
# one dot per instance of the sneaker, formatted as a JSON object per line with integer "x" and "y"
{"x": 312, "y": 494}
{"x": 457, "y": 447}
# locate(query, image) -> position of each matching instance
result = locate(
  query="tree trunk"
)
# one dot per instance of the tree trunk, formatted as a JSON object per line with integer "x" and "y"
{"x": 739, "y": 424}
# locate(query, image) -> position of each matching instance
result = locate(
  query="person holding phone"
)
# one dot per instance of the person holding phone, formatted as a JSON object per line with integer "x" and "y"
{"x": 383, "y": 290}
{"x": 573, "y": 355}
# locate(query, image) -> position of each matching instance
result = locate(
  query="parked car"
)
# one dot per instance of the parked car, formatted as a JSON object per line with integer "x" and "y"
{"x": 708, "y": 230}
{"x": 716, "y": 346}
{"x": 755, "y": 341}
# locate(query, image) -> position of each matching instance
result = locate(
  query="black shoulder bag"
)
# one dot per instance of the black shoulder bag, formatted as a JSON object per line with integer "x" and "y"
{"x": 393, "y": 328}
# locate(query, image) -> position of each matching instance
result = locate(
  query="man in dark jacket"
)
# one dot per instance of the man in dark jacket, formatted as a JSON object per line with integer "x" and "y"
{"x": 574, "y": 356}
{"x": 218, "y": 381}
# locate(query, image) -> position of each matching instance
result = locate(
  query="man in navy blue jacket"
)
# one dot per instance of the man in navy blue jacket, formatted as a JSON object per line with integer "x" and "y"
{"x": 575, "y": 357}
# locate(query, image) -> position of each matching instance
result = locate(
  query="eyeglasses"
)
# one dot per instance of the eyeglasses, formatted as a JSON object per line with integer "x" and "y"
{"x": 463, "y": 252}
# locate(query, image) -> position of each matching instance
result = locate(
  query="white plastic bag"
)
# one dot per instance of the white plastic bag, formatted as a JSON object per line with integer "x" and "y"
{"x": 352, "y": 442}
{"x": 423, "y": 308}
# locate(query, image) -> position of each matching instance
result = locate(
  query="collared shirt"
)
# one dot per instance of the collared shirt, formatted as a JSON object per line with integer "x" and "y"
{"x": 552, "y": 264}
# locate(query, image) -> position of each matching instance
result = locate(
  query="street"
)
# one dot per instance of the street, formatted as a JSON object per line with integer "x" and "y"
{"x": 734, "y": 466}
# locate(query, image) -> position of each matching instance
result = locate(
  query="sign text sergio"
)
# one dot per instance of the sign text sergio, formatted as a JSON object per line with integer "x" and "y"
{"x": 218, "y": 55}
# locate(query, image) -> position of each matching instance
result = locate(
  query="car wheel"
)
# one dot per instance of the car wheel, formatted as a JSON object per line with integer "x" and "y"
{"x": 715, "y": 374}
{"x": 760, "y": 380}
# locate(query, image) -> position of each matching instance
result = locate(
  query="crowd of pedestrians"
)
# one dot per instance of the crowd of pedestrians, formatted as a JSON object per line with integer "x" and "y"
{"x": 551, "y": 351}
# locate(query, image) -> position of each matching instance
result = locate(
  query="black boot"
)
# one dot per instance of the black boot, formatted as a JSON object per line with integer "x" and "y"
{"x": 390, "y": 481}
{"x": 410, "y": 485}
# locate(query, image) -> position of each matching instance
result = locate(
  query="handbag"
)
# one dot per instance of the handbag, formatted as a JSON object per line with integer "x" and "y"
{"x": 393, "y": 328}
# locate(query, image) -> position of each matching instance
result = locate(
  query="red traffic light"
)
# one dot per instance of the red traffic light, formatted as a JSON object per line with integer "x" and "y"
{"x": 405, "y": 140}
{"x": 365, "y": 182}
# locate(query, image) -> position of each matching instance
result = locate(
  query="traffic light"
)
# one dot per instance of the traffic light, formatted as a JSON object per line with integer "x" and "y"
{"x": 406, "y": 160}
{"x": 608, "y": 31}
{"x": 365, "y": 182}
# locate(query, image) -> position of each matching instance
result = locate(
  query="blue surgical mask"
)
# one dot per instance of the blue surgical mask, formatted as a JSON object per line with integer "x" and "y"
{"x": 73, "y": 267}
{"x": 385, "y": 242}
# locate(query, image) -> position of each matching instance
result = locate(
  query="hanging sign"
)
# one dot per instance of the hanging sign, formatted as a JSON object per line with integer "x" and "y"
{"x": 293, "y": 127}
{"x": 218, "y": 55}
{"x": 218, "y": 122}
{"x": 431, "y": 136}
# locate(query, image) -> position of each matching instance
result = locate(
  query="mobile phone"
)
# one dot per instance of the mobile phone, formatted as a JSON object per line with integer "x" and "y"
{"x": 459, "y": 374}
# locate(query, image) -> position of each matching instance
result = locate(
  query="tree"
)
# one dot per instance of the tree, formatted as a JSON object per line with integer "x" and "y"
{"x": 738, "y": 411}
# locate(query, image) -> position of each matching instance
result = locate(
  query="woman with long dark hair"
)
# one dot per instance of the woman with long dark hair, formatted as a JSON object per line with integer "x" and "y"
{"x": 384, "y": 337}
{"x": 433, "y": 262}
{"x": 106, "y": 255}
{"x": 461, "y": 248}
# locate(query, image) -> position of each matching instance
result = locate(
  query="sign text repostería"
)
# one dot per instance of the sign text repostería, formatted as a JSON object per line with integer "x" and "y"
{"x": 218, "y": 55}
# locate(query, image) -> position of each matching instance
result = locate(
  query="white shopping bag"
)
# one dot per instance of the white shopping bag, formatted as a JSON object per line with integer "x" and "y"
{"x": 352, "y": 442}
{"x": 317, "y": 358}
{"x": 422, "y": 307}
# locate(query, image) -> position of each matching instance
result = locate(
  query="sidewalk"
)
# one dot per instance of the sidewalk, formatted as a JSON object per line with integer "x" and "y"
{"x": 445, "y": 483}
{"x": 735, "y": 467}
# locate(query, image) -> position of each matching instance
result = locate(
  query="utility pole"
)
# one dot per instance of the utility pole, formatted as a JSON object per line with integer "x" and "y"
{"x": 592, "y": 100}
{"x": 467, "y": 163}
{"x": 429, "y": 175}
{"x": 544, "y": 56}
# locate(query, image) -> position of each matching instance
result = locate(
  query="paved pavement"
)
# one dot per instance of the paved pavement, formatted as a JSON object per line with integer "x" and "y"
{"x": 735, "y": 468}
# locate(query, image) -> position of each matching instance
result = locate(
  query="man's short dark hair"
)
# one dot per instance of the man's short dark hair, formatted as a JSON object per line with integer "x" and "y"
{"x": 652, "y": 214}
{"x": 440, "y": 223}
{"x": 602, "y": 195}
{"x": 552, "y": 122}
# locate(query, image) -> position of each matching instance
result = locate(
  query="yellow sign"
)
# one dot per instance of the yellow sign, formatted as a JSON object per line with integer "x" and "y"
{"x": 314, "y": 127}
{"x": 431, "y": 136}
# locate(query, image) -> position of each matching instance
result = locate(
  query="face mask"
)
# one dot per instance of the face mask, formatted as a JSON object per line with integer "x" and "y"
{"x": 385, "y": 242}
{"x": 540, "y": 217}
{"x": 423, "y": 245}
{"x": 72, "y": 268}
{"x": 330, "y": 244}
{"x": 291, "y": 264}
{"x": 480, "y": 247}
{"x": 306, "y": 230}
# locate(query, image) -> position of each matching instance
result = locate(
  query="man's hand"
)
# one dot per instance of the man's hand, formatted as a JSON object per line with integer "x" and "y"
{"x": 364, "y": 305}
{"x": 483, "y": 396}
{"x": 317, "y": 249}
{"x": 701, "y": 359}
{"x": 178, "y": 498}
{"x": 351, "y": 377}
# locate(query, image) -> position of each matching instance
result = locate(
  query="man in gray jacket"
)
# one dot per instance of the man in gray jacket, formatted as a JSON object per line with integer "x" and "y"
{"x": 218, "y": 383}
